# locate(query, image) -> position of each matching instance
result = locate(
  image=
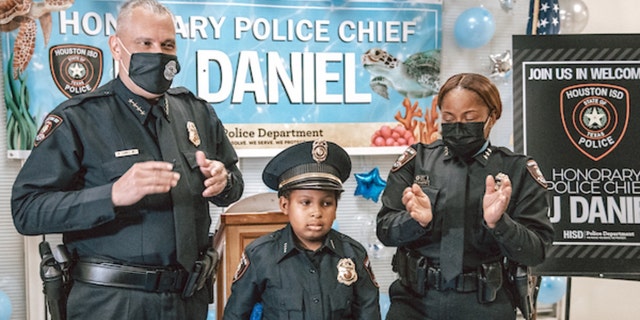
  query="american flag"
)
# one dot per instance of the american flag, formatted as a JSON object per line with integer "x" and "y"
{"x": 544, "y": 17}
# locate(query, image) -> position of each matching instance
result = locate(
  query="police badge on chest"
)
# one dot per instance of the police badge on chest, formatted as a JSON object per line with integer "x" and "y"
{"x": 347, "y": 272}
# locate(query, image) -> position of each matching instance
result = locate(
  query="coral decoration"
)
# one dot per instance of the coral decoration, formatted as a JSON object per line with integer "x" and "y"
{"x": 387, "y": 136}
{"x": 429, "y": 128}
{"x": 405, "y": 133}
{"x": 412, "y": 111}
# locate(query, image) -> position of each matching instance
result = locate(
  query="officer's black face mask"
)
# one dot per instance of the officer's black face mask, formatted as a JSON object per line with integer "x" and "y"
{"x": 464, "y": 139}
{"x": 152, "y": 72}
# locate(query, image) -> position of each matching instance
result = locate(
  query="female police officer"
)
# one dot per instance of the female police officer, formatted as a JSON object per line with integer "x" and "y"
{"x": 457, "y": 208}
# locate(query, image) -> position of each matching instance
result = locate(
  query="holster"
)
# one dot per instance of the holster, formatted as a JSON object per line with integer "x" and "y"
{"x": 203, "y": 273}
{"x": 489, "y": 281}
{"x": 524, "y": 287}
{"x": 412, "y": 271}
{"x": 54, "y": 272}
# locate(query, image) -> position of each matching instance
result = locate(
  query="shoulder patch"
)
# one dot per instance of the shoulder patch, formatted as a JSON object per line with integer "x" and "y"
{"x": 48, "y": 126}
{"x": 405, "y": 157}
{"x": 242, "y": 267}
{"x": 534, "y": 170}
{"x": 367, "y": 266}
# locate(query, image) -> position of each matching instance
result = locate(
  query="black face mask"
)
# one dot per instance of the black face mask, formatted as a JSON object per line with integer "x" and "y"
{"x": 464, "y": 139}
{"x": 153, "y": 72}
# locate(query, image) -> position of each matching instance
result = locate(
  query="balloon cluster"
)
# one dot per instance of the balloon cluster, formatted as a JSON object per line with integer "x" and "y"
{"x": 475, "y": 26}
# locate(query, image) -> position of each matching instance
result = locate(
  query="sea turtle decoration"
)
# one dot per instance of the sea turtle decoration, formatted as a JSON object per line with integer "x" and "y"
{"x": 22, "y": 15}
{"x": 416, "y": 77}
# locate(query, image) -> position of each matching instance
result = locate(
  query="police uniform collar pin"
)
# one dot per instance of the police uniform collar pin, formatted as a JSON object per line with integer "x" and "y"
{"x": 165, "y": 108}
{"x": 136, "y": 106}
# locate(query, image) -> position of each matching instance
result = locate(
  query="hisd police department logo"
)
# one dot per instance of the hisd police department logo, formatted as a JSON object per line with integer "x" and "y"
{"x": 595, "y": 117}
{"x": 75, "y": 68}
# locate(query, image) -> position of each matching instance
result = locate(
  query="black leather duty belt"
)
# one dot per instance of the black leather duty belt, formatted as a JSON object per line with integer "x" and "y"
{"x": 466, "y": 282}
{"x": 130, "y": 277}
{"x": 417, "y": 273}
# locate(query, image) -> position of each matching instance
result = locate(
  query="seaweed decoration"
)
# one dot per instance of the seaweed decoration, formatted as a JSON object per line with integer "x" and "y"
{"x": 21, "y": 126}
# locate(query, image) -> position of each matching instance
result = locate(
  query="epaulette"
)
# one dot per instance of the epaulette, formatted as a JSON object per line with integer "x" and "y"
{"x": 79, "y": 99}
{"x": 268, "y": 238}
{"x": 357, "y": 246}
{"x": 178, "y": 91}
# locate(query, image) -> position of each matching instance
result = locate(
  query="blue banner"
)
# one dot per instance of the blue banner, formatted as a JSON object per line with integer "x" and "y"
{"x": 276, "y": 72}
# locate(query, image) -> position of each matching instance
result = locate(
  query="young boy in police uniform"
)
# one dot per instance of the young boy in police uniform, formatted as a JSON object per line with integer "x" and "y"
{"x": 306, "y": 270}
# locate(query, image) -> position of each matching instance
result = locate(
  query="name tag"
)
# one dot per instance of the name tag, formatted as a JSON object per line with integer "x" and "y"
{"x": 126, "y": 153}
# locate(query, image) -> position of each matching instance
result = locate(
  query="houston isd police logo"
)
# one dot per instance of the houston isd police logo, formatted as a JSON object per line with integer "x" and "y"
{"x": 595, "y": 117}
{"x": 75, "y": 68}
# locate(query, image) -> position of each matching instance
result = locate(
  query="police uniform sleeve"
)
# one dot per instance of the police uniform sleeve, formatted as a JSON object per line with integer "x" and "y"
{"x": 367, "y": 291}
{"x": 525, "y": 231}
{"x": 225, "y": 153}
{"x": 395, "y": 226}
{"x": 48, "y": 194}
{"x": 245, "y": 289}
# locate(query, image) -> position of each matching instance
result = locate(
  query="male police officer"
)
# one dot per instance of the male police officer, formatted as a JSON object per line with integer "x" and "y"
{"x": 125, "y": 174}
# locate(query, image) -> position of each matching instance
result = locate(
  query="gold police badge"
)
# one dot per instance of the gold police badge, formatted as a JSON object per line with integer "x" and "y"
{"x": 347, "y": 271}
{"x": 194, "y": 137}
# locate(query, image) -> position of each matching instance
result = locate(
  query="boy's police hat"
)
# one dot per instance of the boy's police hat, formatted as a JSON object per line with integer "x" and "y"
{"x": 320, "y": 164}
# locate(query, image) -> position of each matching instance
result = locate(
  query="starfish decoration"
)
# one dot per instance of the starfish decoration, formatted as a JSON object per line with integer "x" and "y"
{"x": 370, "y": 185}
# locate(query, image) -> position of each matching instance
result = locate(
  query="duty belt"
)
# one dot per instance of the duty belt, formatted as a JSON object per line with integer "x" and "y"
{"x": 417, "y": 273}
{"x": 466, "y": 282}
{"x": 130, "y": 277}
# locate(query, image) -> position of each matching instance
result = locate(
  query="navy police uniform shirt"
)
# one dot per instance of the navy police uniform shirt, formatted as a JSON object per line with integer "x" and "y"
{"x": 335, "y": 282}
{"x": 86, "y": 144}
{"x": 522, "y": 234}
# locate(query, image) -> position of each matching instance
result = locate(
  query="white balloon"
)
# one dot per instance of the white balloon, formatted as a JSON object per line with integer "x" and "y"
{"x": 507, "y": 5}
{"x": 574, "y": 16}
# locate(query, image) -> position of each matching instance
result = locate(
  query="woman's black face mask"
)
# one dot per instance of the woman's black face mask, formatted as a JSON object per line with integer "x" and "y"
{"x": 464, "y": 139}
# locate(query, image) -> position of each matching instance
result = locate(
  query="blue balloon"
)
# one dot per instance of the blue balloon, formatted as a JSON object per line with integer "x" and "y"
{"x": 552, "y": 289}
{"x": 385, "y": 303}
{"x": 5, "y": 306}
{"x": 211, "y": 315}
{"x": 370, "y": 185}
{"x": 474, "y": 28}
{"x": 256, "y": 313}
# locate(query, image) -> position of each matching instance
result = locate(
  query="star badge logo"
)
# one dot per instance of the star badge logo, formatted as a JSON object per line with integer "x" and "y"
{"x": 75, "y": 68}
{"x": 595, "y": 117}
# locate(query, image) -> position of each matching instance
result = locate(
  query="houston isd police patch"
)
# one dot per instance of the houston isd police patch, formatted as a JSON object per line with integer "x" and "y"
{"x": 75, "y": 68}
{"x": 595, "y": 117}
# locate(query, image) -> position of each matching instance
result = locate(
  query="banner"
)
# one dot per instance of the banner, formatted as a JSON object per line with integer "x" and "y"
{"x": 276, "y": 72}
{"x": 577, "y": 100}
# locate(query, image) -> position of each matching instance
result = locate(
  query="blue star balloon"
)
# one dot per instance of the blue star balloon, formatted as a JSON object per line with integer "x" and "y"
{"x": 370, "y": 185}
